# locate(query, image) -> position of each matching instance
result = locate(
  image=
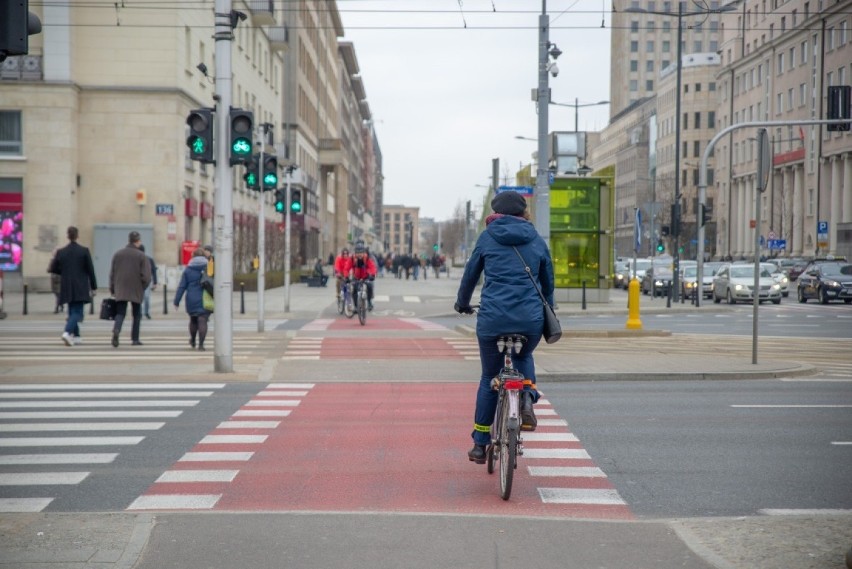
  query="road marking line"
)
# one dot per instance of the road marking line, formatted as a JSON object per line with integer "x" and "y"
{"x": 603, "y": 497}
{"x": 841, "y": 442}
{"x": 545, "y": 412}
{"x": 262, "y": 413}
{"x": 281, "y": 393}
{"x": 804, "y": 512}
{"x": 273, "y": 403}
{"x": 290, "y": 385}
{"x": 549, "y": 437}
{"x": 216, "y": 456}
{"x": 792, "y": 406}
{"x": 175, "y": 502}
{"x": 411, "y": 299}
{"x": 67, "y": 441}
{"x": 571, "y": 471}
{"x": 98, "y": 394}
{"x": 88, "y": 414}
{"x": 551, "y": 422}
{"x": 248, "y": 425}
{"x": 100, "y": 386}
{"x": 232, "y": 439}
{"x": 300, "y": 357}
{"x": 555, "y": 453}
{"x": 42, "y": 478}
{"x": 23, "y": 505}
{"x": 59, "y": 458}
{"x": 198, "y": 476}
{"x": 159, "y": 403}
{"x": 32, "y": 427}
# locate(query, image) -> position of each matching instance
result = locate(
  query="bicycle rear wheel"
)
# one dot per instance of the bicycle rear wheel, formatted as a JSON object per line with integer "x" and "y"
{"x": 508, "y": 452}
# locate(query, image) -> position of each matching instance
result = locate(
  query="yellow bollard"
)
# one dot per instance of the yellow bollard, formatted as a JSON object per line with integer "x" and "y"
{"x": 633, "y": 322}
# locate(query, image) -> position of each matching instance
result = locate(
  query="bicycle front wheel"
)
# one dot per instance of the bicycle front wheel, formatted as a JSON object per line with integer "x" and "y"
{"x": 362, "y": 311}
{"x": 341, "y": 302}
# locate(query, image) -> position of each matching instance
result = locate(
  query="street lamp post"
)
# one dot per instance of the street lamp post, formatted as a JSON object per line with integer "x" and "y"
{"x": 577, "y": 106}
{"x": 542, "y": 185}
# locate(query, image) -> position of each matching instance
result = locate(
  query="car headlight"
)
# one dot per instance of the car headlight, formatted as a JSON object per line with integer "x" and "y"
{"x": 832, "y": 284}
{"x": 784, "y": 280}
{"x": 776, "y": 286}
{"x": 739, "y": 287}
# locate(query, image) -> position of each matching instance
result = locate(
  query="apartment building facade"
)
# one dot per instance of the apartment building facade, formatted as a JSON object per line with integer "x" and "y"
{"x": 778, "y": 61}
{"x": 94, "y": 118}
{"x": 401, "y": 229}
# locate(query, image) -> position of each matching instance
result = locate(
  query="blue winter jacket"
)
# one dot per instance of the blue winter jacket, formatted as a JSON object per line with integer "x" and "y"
{"x": 190, "y": 282}
{"x": 509, "y": 301}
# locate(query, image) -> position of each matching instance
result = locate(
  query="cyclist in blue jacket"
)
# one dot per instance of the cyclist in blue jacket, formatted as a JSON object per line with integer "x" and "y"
{"x": 509, "y": 303}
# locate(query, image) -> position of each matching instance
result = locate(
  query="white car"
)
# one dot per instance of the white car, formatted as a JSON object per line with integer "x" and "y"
{"x": 780, "y": 277}
{"x": 736, "y": 283}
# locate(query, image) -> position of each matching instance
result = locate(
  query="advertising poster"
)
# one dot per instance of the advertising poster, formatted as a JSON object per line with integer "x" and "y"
{"x": 11, "y": 240}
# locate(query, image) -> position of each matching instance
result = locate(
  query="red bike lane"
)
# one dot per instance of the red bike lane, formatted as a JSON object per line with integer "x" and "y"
{"x": 380, "y": 447}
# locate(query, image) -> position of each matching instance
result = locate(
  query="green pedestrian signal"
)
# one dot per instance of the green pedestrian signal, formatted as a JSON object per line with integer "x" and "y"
{"x": 660, "y": 247}
{"x": 296, "y": 201}
{"x": 200, "y": 140}
{"x": 251, "y": 179}
{"x": 435, "y": 247}
{"x": 280, "y": 199}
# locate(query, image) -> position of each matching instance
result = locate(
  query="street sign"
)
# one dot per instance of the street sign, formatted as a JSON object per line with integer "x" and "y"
{"x": 776, "y": 244}
{"x": 822, "y": 228}
{"x": 165, "y": 209}
{"x": 772, "y": 235}
{"x": 523, "y": 190}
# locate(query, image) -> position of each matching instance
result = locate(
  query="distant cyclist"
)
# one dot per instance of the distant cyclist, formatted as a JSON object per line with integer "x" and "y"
{"x": 342, "y": 268}
{"x": 364, "y": 267}
{"x": 509, "y": 303}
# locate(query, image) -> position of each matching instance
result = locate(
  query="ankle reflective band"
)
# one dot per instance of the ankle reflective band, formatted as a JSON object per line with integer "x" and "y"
{"x": 530, "y": 383}
{"x": 482, "y": 428}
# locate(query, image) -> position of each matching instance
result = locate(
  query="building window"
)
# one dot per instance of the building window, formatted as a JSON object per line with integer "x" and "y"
{"x": 667, "y": 26}
{"x": 649, "y": 84}
{"x": 649, "y": 46}
{"x": 780, "y": 63}
{"x": 711, "y": 86}
{"x": 804, "y": 53}
{"x": 634, "y": 26}
{"x": 802, "y": 94}
{"x": 634, "y": 46}
{"x": 634, "y": 85}
{"x": 667, "y": 46}
{"x": 697, "y": 46}
{"x": 711, "y": 119}
{"x": 790, "y": 103}
{"x": 842, "y": 38}
{"x": 649, "y": 65}
{"x": 685, "y": 124}
{"x": 698, "y": 87}
{"x": 10, "y": 133}
{"x": 696, "y": 149}
{"x": 666, "y": 63}
{"x": 650, "y": 26}
{"x": 634, "y": 65}
{"x": 779, "y": 103}
{"x": 697, "y": 120}
{"x": 810, "y": 201}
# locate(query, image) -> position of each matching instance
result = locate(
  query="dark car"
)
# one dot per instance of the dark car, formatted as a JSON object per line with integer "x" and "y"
{"x": 793, "y": 267}
{"x": 656, "y": 281}
{"x": 826, "y": 282}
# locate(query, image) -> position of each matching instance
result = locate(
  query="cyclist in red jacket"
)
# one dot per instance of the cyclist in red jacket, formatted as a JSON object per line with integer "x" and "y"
{"x": 363, "y": 267}
{"x": 342, "y": 268}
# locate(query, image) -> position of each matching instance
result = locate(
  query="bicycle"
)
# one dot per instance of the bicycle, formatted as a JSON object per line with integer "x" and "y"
{"x": 506, "y": 443}
{"x": 345, "y": 304}
{"x": 361, "y": 304}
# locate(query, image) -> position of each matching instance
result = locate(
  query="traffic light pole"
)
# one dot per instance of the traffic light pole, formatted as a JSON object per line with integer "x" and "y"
{"x": 261, "y": 238}
{"x": 287, "y": 218}
{"x": 223, "y": 358}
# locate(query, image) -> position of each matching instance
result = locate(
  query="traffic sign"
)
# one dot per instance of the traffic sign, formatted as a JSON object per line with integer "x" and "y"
{"x": 523, "y": 190}
{"x": 165, "y": 209}
{"x": 772, "y": 235}
{"x": 822, "y": 228}
{"x": 774, "y": 244}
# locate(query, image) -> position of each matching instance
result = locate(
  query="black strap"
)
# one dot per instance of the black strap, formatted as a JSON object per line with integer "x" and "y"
{"x": 529, "y": 274}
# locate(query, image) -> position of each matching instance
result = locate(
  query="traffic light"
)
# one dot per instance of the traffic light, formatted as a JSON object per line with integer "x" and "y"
{"x": 664, "y": 231}
{"x": 200, "y": 140}
{"x": 241, "y": 123}
{"x": 270, "y": 172}
{"x": 251, "y": 177}
{"x": 675, "y": 228}
{"x": 703, "y": 215}
{"x": 840, "y": 107}
{"x": 435, "y": 247}
{"x": 296, "y": 201}
{"x": 280, "y": 200}
{"x": 17, "y": 23}
{"x": 660, "y": 246}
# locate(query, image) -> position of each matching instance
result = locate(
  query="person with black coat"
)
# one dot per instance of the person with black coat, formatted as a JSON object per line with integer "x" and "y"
{"x": 73, "y": 264}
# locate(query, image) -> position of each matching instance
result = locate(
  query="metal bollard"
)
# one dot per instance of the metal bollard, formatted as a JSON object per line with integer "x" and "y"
{"x": 669, "y": 298}
{"x": 242, "y": 298}
{"x": 25, "y": 299}
{"x": 165, "y": 298}
{"x": 584, "y": 295}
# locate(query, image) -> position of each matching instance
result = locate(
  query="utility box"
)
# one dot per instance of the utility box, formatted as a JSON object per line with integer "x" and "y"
{"x": 582, "y": 215}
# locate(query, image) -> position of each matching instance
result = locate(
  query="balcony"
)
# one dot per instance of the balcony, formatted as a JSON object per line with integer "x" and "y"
{"x": 330, "y": 152}
{"x": 279, "y": 38}
{"x": 262, "y": 12}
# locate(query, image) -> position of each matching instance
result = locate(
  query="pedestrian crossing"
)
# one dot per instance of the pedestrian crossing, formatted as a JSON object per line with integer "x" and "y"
{"x": 37, "y": 457}
{"x": 215, "y": 460}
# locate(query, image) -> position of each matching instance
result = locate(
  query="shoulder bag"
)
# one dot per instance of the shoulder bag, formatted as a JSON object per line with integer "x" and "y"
{"x": 552, "y": 328}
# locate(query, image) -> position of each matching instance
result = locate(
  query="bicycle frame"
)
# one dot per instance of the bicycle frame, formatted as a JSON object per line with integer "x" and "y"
{"x": 506, "y": 443}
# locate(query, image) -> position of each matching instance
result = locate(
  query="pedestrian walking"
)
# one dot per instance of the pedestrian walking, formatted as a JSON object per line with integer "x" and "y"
{"x": 146, "y": 301}
{"x": 190, "y": 283}
{"x": 55, "y": 285}
{"x": 129, "y": 276}
{"x": 77, "y": 286}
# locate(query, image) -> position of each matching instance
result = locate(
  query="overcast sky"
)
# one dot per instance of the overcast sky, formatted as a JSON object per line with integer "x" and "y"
{"x": 447, "y": 99}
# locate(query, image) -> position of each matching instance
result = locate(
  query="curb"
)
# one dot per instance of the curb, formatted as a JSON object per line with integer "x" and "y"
{"x": 798, "y": 371}
{"x": 471, "y": 331}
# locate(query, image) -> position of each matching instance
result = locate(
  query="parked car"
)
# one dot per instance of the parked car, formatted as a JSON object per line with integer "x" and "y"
{"x": 794, "y": 267}
{"x": 735, "y": 282}
{"x": 826, "y": 282}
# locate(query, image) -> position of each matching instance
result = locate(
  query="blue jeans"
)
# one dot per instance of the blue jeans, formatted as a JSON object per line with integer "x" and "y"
{"x": 146, "y": 302}
{"x": 75, "y": 316}
{"x": 492, "y": 363}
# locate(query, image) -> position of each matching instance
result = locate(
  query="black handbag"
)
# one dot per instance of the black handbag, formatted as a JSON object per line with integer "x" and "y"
{"x": 552, "y": 330}
{"x": 108, "y": 309}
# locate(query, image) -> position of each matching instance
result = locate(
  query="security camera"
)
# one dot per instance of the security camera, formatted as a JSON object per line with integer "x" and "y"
{"x": 553, "y": 68}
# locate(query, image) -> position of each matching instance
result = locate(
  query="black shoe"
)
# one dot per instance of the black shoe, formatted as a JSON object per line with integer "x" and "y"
{"x": 528, "y": 420}
{"x": 370, "y": 307}
{"x": 192, "y": 343}
{"x": 115, "y": 339}
{"x": 137, "y": 343}
{"x": 201, "y": 348}
{"x": 477, "y": 454}
{"x": 148, "y": 316}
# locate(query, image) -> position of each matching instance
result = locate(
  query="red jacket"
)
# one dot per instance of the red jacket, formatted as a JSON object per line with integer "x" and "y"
{"x": 363, "y": 266}
{"x": 342, "y": 266}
